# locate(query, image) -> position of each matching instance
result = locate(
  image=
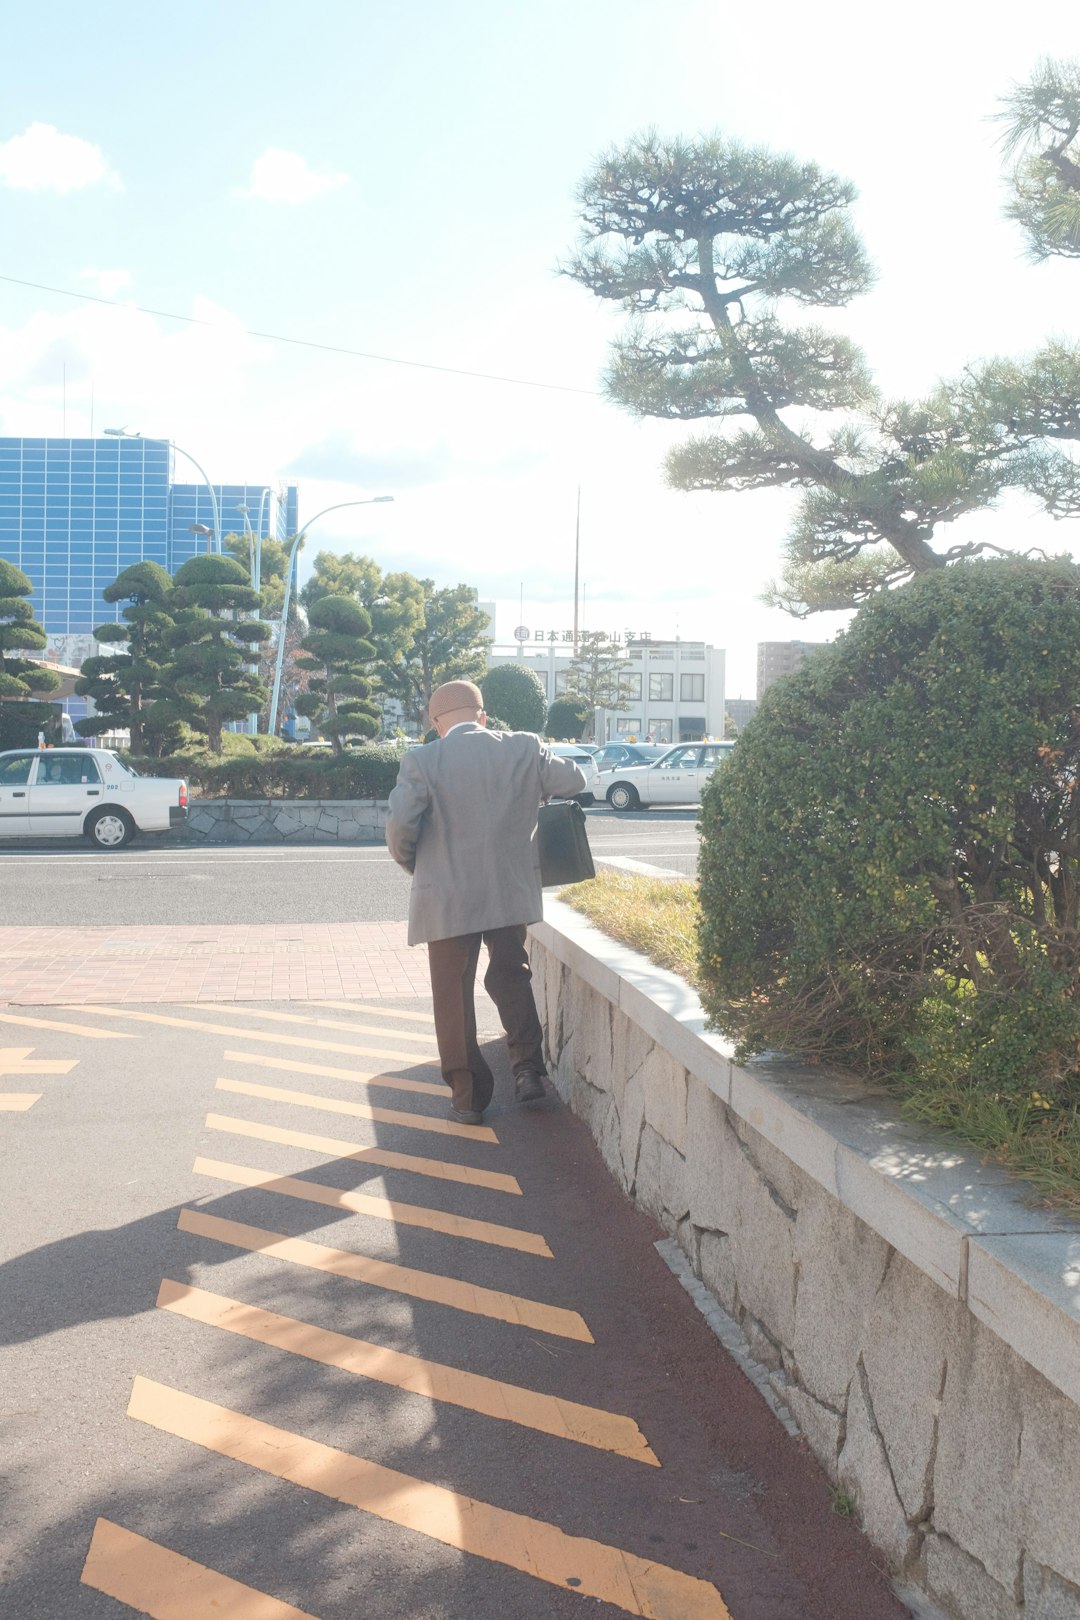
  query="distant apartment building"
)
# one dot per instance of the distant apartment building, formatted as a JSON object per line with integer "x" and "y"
{"x": 75, "y": 512}
{"x": 778, "y": 658}
{"x": 673, "y": 690}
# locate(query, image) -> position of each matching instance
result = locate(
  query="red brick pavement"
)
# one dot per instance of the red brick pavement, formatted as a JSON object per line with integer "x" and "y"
{"x": 228, "y": 962}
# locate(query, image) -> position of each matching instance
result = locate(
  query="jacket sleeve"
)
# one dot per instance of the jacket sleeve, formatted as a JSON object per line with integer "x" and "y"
{"x": 408, "y": 806}
{"x": 559, "y": 778}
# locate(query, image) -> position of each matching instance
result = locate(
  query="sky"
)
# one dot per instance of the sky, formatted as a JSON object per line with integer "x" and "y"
{"x": 399, "y": 181}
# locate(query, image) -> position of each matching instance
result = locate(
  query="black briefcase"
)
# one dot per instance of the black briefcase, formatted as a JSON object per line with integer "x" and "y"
{"x": 565, "y": 856}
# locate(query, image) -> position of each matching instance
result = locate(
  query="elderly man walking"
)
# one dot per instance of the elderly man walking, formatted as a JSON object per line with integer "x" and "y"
{"x": 463, "y": 822}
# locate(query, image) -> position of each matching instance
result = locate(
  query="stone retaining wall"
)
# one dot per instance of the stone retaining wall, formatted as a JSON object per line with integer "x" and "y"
{"x": 916, "y": 1315}
{"x": 295, "y": 821}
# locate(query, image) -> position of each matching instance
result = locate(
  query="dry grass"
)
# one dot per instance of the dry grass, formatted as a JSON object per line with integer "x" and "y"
{"x": 657, "y": 916}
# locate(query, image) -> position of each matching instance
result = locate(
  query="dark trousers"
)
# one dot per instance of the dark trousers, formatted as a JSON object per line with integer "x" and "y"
{"x": 508, "y": 981}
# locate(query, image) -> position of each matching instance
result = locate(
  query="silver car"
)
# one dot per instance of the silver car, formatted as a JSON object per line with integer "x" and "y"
{"x": 677, "y": 777}
{"x": 586, "y": 763}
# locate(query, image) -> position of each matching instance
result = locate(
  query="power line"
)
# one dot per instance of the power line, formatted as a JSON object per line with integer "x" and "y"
{"x": 301, "y": 343}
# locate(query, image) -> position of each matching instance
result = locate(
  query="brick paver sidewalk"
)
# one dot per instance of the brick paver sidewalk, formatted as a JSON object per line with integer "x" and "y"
{"x": 224, "y": 962}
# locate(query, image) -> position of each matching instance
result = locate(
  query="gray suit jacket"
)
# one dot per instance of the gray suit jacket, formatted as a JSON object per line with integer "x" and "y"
{"x": 463, "y": 821}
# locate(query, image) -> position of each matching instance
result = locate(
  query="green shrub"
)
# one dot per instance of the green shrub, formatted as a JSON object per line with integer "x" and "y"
{"x": 517, "y": 692}
{"x": 368, "y": 772}
{"x": 890, "y": 862}
{"x": 569, "y": 717}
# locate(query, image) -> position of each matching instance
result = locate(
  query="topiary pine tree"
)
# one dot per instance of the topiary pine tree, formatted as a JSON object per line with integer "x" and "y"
{"x": 517, "y": 693}
{"x": 336, "y": 646}
{"x": 21, "y": 716}
{"x": 125, "y": 684}
{"x": 598, "y": 673}
{"x": 208, "y": 680}
{"x": 707, "y": 245}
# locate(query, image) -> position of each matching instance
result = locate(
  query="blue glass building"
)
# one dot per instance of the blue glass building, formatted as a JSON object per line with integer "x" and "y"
{"x": 74, "y": 512}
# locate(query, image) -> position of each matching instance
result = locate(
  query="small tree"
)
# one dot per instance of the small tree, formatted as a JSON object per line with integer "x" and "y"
{"x": 209, "y": 680}
{"x": 569, "y": 717}
{"x": 338, "y": 654}
{"x": 125, "y": 684}
{"x": 517, "y": 693}
{"x": 598, "y": 673}
{"x": 21, "y": 716}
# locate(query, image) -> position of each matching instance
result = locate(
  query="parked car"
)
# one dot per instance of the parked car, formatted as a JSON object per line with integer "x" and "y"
{"x": 677, "y": 777}
{"x": 613, "y": 755}
{"x": 65, "y": 792}
{"x": 582, "y": 757}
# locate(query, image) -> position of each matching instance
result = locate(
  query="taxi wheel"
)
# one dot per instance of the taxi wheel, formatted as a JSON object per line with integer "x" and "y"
{"x": 110, "y": 829}
{"x": 623, "y": 797}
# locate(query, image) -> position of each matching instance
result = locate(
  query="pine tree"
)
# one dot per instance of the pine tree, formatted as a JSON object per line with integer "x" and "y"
{"x": 1043, "y": 139}
{"x": 712, "y": 248}
{"x": 598, "y": 674}
{"x": 209, "y": 680}
{"x": 339, "y": 656}
{"x": 21, "y": 715}
{"x": 126, "y": 684}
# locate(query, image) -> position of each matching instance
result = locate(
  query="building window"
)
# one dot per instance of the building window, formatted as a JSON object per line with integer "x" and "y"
{"x": 692, "y": 688}
{"x": 660, "y": 731}
{"x": 631, "y": 686}
{"x": 627, "y": 728}
{"x": 560, "y": 681}
{"x": 661, "y": 688}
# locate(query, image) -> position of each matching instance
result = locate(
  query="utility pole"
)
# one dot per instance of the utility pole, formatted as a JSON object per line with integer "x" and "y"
{"x": 577, "y": 567}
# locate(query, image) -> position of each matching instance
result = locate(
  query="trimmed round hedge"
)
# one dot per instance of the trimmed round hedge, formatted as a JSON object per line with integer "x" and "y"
{"x": 890, "y": 862}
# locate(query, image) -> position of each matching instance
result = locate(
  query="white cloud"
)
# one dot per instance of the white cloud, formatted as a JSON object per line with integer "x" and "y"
{"x": 280, "y": 176}
{"x": 41, "y": 159}
{"x": 107, "y": 283}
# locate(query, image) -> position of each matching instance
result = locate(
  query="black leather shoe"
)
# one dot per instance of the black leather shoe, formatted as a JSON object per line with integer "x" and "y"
{"x": 466, "y": 1116}
{"x": 529, "y": 1085}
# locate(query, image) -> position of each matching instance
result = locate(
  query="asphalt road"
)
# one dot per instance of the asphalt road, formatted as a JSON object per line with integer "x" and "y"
{"x": 161, "y": 881}
{"x": 270, "y": 1318}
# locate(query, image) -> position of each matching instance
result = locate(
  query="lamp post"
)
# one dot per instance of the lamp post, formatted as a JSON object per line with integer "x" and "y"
{"x": 215, "y": 543}
{"x": 290, "y": 562}
{"x": 200, "y": 528}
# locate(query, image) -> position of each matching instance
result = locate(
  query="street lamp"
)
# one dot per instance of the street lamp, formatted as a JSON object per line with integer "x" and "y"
{"x": 215, "y": 545}
{"x": 376, "y": 500}
{"x": 201, "y": 528}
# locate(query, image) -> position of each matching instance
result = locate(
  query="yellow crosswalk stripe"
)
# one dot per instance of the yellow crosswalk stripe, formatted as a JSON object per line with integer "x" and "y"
{"x": 359, "y": 1110}
{"x": 638, "y": 1586}
{"x": 567, "y": 1420}
{"x": 167, "y": 1586}
{"x": 327, "y": 1071}
{"x": 17, "y": 1060}
{"x": 425, "y": 1285}
{"x": 380, "y": 1011}
{"x": 308, "y": 1042}
{"x": 436, "y": 1168}
{"x": 247, "y": 1011}
{"x": 68, "y": 1029}
{"x": 379, "y": 1209}
{"x": 17, "y": 1102}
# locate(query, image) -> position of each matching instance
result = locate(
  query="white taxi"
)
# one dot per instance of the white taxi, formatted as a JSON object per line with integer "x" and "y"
{"x": 677, "y": 777}
{"x": 68, "y": 792}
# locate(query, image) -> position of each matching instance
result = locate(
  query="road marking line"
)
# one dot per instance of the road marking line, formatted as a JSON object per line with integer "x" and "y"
{"x": 164, "y": 1584}
{"x": 639, "y": 1586}
{"x": 12, "y": 1102}
{"x": 68, "y": 1029}
{"x": 388, "y": 1082}
{"x": 246, "y": 1011}
{"x": 567, "y": 1420}
{"x": 379, "y": 1209}
{"x": 436, "y": 1168}
{"x": 17, "y": 1060}
{"x": 205, "y": 1028}
{"x": 426, "y": 1285}
{"x": 381, "y": 1012}
{"x": 357, "y": 1110}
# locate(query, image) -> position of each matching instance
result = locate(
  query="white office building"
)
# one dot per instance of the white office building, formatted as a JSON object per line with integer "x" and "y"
{"x": 673, "y": 690}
